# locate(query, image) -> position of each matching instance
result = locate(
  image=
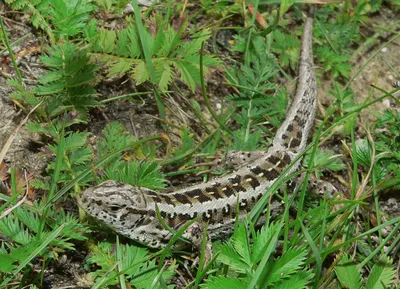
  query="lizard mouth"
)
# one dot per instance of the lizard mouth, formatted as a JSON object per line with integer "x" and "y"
{"x": 81, "y": 205}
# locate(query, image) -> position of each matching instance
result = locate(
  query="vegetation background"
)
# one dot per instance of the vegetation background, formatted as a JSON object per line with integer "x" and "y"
{"x": 151, "y": 95}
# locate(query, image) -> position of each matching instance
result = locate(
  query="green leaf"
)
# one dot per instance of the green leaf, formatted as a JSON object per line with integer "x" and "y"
{"x": 6, "y": 264}
{"x": 241, "y": 244}
{"x": 166, "y": 74}
{"x": 69, "y": 16}
{"x": 140, "y": 72}
{"x": 338, "y": 64}
{"x": 133, "y": 263}
{"x": 230, "y": 257}
{"x": 286, "y": 265}
{"x": 285, "y": 5}
{"x": 68, "y": 83}
{"x": 347, "y": 273}
{"x": 188, "y": 73}
{"x": 300, "y": 280}
{"x": 261, "y": 240}
{"x": 287, "y": 47}
{"x": 324, "y": 160}
{"x": 363, "y": 152}
{"x": 120, "y": 67}
{"x": 29, "y": 219}
{"x": 12, "y": 228}
{"x": 382, "y": 274}
{"x": 224, "y": 283}
{"x": 141, "y": 174}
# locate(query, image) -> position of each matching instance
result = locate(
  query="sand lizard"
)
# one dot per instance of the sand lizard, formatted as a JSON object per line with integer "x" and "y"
{"x": 130, "y": 210}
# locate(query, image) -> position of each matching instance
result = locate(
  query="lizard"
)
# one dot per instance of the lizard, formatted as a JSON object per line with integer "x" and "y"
{"x": 131, "y": 211}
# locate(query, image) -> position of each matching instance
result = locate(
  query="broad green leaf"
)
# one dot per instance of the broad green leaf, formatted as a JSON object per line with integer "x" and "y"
{"x": 347, "y": 273}
{"x": 382, "y": 274}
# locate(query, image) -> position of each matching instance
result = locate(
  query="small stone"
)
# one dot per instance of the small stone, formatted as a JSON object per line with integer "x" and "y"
{"x": 145, "y": 2}
{"x": 219, "y": 106}
{"x": 128, "y": 9}
{"x": 386, "y": 103}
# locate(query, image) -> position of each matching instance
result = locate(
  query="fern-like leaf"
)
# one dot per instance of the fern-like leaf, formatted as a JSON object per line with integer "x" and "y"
{"x": 170, "y": 53}
{"x": 68, "y": 85}
{"x": 138, "y": 173}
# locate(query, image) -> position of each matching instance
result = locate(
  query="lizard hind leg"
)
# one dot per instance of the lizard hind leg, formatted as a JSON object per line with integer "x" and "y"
{"x": 195, "y": 234}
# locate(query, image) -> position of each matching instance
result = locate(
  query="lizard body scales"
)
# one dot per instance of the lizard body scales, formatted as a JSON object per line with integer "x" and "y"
{"x": 131, "y": 211}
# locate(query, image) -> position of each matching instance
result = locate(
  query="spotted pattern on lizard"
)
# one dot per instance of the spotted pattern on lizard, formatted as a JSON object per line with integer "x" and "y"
{"x": 131, "y": 211}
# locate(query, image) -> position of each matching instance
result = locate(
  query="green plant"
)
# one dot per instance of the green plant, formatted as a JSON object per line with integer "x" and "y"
{"x": 68, "y": 84}
{"x": 387, "y": 160}
{"x": 60, "y": 19}
{"x": 287, "y": 47}
{"x": 344, "y": 98}
{"x": 245, "y": 255}
{"x": 112, "y": 6}
{"x": 335, "y": 39}
{"x": 121, "y": 52}
{"x": 219, "y": 9}
{"x": 78, "y": 157}
{"x": 381, "y": 275}
{"x": 26, "y": 242}
{"x": 337, "y": 64}
{"x": 252, "y": 81}
{"x": 324, "y": 160}
{"x": 128, "y": 264}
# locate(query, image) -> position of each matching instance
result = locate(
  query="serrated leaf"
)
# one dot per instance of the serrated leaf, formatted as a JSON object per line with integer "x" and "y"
{"x": 285, "y": 266}
{"x": 241, "y": 244}
{"x": 347, "y": 273}
{"x": 300, "y": 280}
{"x": 261, "y": 241}
{"x": 186, "y": 70}
{"x": 141, "y": 174}
{"x": 140, "y": 72}
{"x": 119, "y": 67}
{"x": 12, "y": 228}
{"x": 230, "y": 257}
{"x": 133, "y": 260}
{"x": 6, "y": 264}
{"x": 382, "y": 274}
{"x": 224, "y": 283}
{"x": 166, "y": 75}
{"x": 364, "y": 152}
{"x": 31, "y": 220}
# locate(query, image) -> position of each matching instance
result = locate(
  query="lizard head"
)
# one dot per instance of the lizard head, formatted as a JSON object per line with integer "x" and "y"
{"x": 115, "y": 204}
